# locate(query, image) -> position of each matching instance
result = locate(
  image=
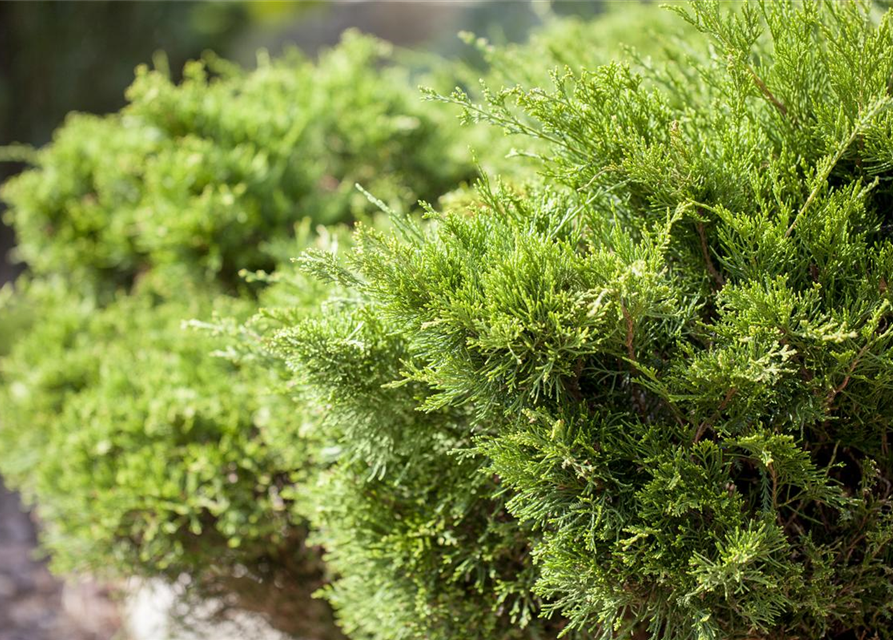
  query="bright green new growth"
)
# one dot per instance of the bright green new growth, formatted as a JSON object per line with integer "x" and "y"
{"x": 671, "y": 352}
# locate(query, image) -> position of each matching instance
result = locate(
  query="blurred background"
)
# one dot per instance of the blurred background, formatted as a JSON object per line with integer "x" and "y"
{"x": 63, "y": 56}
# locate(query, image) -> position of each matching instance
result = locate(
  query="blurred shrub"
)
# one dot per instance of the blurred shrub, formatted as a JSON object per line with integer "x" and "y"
{"x": 59, "y": 56}
{"x": 201, "y": 175}
{"x": 146, "y": 454}
{"x": 149, "y": 454}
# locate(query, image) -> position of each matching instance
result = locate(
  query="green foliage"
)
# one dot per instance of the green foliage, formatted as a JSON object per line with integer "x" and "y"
{"x": 151, "y": 449}
{"x": 143, "y": 440}
{"x": 642, "y": 393}
{"x": 200, "y": 176}
{"x": 155, "y": 447}
{"x": 669, "y": 354}
{"x": 420, "y": 537}
{"x": 632, "y": 30}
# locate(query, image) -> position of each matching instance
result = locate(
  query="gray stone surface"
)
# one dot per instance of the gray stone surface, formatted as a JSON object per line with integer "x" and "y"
{"x": 33, "y": 604}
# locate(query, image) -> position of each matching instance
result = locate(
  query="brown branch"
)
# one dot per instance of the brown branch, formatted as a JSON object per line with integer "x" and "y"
{"x": 573, "y": 385}
{"x": 783, "y": 110}
{"x": 709, "y": 422}
{"x": 846, "y": 380}
{"x": 629, "y": 333}
{"x": 711, "y": 268}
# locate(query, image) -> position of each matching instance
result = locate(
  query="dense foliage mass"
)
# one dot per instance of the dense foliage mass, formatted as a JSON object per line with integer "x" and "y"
{"x": 642, "y": 392}
{"x": 201, "y": 176}
{"x": 671, "y": 353}
{"x": 146, "y": 435}
{"x": 149, "y": 454}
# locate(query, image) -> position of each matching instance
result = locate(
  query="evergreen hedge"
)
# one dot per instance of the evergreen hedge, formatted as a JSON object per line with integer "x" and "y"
{"x": 151, "y": 453}
{"x": 202, "y": 176}
{"x": 640, "y": 393}
{"x": 666, "y": 361}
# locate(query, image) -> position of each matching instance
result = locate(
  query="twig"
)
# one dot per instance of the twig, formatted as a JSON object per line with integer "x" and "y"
{"x": 629, "y": 333}
{"x": 766, "y": 93}
{"x": 846, "y": 379}
{"x": 711, "y": 268}
{"x": 820, "y": 181}
{"x": 707, "y": 423}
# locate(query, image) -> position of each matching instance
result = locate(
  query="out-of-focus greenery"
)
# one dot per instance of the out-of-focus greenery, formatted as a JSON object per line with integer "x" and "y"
{"x": 147, "y": 441}
{"x": 102, "y": 42}
{"x": 202, "y": 175}
{"x": 57, "y": 56}
{"x": 144, "y": 452}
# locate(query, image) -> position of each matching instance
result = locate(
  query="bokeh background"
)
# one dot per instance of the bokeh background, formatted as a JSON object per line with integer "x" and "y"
{"x": 62, "y": 56}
